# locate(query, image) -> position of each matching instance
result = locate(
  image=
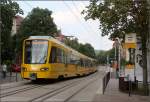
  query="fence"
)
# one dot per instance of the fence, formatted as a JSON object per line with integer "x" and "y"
{"x": 105, "y": 81}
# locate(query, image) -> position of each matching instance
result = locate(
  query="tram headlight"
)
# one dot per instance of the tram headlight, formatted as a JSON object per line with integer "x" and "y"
{"x": 44, "y": 69}
{"x": 24, "y": 69}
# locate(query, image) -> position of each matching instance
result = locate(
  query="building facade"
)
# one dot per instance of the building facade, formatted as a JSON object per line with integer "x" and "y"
{"x": 17, "y": 20}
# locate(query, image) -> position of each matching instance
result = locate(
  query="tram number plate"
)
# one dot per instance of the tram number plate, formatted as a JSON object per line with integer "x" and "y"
{"x": 33, "y": 76}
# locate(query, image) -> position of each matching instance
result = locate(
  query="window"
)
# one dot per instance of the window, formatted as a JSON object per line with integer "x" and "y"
{"x": 64, "y": 57}
{"x": 74, "y": 59}
{"x": 57, "y": 55}
{"x": 53, "y": 55}
{"x": 36, "y": 51}
{"x": 68, "y": 58}
{"x": 81, "y": 63}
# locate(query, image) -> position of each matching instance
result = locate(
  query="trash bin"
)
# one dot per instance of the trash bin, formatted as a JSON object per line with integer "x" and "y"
{"x": 123, "y": 85}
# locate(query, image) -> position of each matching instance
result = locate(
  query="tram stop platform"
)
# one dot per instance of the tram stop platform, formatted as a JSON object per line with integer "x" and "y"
{"x": 112, "y": 94}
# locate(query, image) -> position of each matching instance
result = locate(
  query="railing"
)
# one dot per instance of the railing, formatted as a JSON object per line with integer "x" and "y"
{"x": 105, "y": 81}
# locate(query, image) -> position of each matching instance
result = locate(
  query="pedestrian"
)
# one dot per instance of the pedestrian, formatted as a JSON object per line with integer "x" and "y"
{"x": 4, "y": 70}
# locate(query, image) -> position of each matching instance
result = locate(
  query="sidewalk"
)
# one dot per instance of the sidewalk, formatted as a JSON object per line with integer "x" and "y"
{"x": 112, "y": 94}
{"x": 10, "y": 78}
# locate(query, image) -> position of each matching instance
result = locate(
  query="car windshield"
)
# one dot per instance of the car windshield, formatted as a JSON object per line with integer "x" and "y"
{"x": 36, "y": 51}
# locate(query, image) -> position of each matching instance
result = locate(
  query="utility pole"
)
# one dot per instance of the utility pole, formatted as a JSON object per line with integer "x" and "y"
{"x": 119, "y": 59}
{"x": 115, "y": 51}
{"x": 148, "y": 44}
{"x": 0, "y": 33}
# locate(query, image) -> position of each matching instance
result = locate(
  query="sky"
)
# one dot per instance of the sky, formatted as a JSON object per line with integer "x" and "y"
{"x": 67, "y": 16}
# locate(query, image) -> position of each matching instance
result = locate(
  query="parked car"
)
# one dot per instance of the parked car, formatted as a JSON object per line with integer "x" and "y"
{"x": 16, "y": 68}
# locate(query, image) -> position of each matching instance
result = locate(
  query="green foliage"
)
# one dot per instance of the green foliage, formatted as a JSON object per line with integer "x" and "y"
{"x": 102, "y": 56}
{"x": 72, "y": 43}
{"x": 111, "y": 53}
{"x": 85, "y": 49}
{"x": 118, "y": 18}
{"x": 8, "y": 10}
{"x": 38, "y": 22}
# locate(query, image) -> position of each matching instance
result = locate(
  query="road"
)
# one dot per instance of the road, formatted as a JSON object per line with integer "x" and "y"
{"x": 69, "y": 90}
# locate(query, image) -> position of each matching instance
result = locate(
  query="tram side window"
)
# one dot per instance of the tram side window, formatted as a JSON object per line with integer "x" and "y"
{"x": 71, "y": 59}
{"x": 57, "y": 55}
{"x": 89, "y": 63}
{"x": 60, "y": 55}
{"x": 53, "y": 55}
{"x": 64, "y": 57}
{"x": 81, "y": 62}
{"x": 85, "y": 63}
{"x": 68, "y": 58}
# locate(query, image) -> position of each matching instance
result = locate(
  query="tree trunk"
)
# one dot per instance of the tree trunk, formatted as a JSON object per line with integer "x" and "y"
{"x": 144, "y": 57}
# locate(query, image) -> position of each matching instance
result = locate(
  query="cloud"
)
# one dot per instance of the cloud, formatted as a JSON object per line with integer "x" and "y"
{"x": 63, "y": 17}
{"x": 70, "y": 15}
{"x": 73, "y": 23}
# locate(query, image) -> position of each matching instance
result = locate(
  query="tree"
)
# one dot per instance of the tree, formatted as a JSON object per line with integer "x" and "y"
{"x": 38, "y": 22}
{"x": 73, "y": 43}
{"x": 102, "y": 57}
{"x": 8, "y": 10}
{"x": 118, "y": 18}
{"x": 111, "y": 53}
{"x": 87, "y": 49}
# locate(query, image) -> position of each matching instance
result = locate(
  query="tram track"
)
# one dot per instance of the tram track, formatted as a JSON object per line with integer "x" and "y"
{"x": 62, "y": 89}
{"x": 79, "y": 90}
{"x": 16, "y": 91}
{"x": 5, "y": 92}
{"x": 10, "y": 87}
{"x": 53, "y": 92}
{"x": 19, "y": 90}
{"x": 52, "y": 89}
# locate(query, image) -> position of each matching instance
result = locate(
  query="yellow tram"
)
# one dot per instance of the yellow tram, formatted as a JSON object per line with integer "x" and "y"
{"x": 47, "y": 58}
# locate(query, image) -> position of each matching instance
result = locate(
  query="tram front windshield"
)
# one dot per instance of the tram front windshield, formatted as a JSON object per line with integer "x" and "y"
{"x": 35, "y": 51}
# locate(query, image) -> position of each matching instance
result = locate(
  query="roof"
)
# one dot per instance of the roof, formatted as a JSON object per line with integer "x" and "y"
{"x": 40, "y": 37}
